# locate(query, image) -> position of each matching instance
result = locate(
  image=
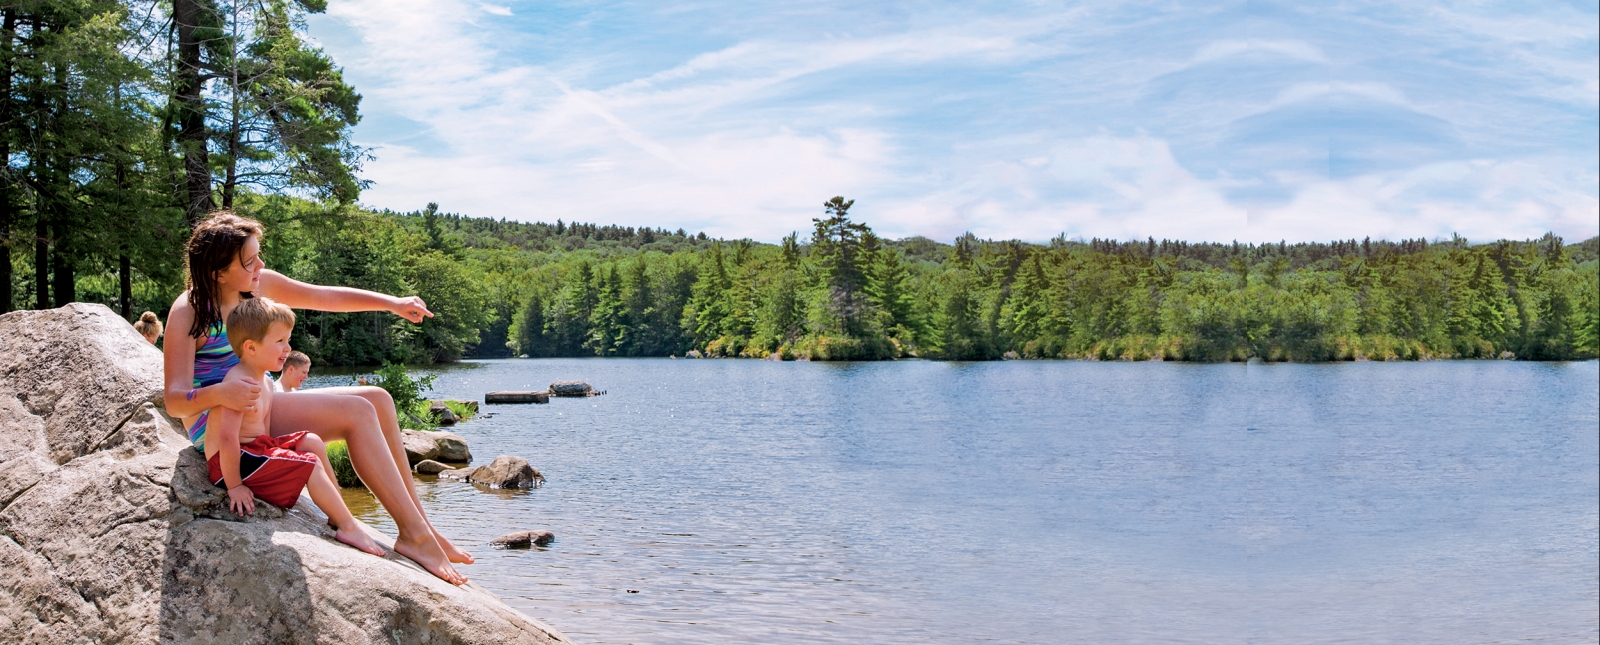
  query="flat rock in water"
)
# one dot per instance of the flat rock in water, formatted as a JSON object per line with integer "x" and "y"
{"x": 429, "y": 467}
{"x": 524, "y": 539}
{"x": 570, "y": 388}
{"x": 507, "y": 472}
{"x": 516, "y": 397}
{"x": 110, "y": 533}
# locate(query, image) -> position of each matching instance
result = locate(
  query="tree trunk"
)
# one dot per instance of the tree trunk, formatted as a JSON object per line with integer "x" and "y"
{"x": 41, "y": 263}
{"x": 191, "y": 109}
{"x": 125, "y": 268}
{"x": 7, "y": 34}
{"x": 61, "y": 264}
{"x": 64, "y": 251}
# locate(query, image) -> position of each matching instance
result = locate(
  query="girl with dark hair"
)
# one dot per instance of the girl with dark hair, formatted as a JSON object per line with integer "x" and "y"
{"x": 224, "y": 267}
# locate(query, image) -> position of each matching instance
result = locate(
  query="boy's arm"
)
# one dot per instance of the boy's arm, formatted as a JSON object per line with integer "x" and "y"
{"x": 225, "y": 422}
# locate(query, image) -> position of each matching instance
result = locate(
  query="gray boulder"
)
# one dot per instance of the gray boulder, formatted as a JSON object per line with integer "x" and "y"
{"x": 439, "y": 446}
{"x": 429, "y": 467}
{"x": 110, "y": 534}
{"x": 570, "y": 388}
{"x": 524, "y": 539}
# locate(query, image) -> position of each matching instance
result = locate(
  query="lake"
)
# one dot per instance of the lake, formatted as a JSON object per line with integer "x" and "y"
{"x": 737, "y": 501}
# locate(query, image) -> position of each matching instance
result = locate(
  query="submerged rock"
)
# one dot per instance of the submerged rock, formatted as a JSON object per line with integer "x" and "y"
{"x": 524, "y": 539}
{"x": 457, "y": 473}
{"x": 109, "y": 532}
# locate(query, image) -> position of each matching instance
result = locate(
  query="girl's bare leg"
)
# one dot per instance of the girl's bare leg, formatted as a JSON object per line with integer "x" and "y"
{"x": 325, "y": 493}
{"x": 387, "y": 419}
{"x": 334, "y": 417}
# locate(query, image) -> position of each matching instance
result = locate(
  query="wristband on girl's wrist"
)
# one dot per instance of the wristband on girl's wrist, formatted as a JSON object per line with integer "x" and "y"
{"x": 190, "y": 395}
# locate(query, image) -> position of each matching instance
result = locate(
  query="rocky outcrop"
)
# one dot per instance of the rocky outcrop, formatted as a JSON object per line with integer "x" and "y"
{"x": 439, "y": 446}
{"x": 110, "y": 534}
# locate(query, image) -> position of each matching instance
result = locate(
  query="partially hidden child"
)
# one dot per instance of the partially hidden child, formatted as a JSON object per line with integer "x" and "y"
{"x": 244, "y": 458}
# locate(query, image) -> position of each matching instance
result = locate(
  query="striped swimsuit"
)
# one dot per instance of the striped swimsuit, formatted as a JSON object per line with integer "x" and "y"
{"x": 211, "y": 363}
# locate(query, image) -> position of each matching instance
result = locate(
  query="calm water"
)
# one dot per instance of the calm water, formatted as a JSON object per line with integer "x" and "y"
{"x": 1042, "y": 502}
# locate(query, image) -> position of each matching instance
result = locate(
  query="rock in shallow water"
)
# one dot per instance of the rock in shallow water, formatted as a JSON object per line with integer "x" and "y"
{"x": 439, "y": 446}
{"x": 442, "y": 414}
{"x": 429, "y": 467}
{"x": 507, "y": 472}
{"x": 524, "y": 539}
{"x": 109, "y": 532}
{"x": 570, "y": 388}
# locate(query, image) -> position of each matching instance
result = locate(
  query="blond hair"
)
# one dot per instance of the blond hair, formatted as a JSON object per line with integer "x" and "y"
{"x": 253, "y": 317}
{"x": 299, "y": 359}
{"x": 148, "y": 325}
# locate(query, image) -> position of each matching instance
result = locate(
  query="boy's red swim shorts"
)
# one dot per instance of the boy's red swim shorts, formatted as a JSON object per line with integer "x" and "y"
{"x": 271, "y": 467}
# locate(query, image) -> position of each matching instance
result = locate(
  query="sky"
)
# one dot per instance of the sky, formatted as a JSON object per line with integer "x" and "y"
{"x": 1249, "y": 121}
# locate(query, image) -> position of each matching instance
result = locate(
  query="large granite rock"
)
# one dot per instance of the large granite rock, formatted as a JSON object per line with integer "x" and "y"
{"x": 110, "y": 534}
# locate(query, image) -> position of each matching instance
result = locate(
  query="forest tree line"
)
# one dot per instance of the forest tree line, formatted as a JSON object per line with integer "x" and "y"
{"x": 125, "y": 122}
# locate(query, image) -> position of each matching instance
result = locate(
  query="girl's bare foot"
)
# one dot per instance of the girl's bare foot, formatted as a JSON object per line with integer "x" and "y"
{"x": 359, "y": 538}
{"x": 451, "y": 551}
{"x": 426, "y": 552}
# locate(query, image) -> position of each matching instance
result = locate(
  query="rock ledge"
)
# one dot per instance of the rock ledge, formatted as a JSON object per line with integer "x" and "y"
{"x": 110, "y": 534}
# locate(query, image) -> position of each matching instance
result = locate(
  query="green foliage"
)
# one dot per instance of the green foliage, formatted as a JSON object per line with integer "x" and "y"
{"x": 407, "y": 392}
{"x": 343, "y": 471}
{"x": 461, "y": 410}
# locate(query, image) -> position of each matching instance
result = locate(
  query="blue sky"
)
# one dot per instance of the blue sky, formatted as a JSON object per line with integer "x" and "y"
{"x": 1252, "y": 121}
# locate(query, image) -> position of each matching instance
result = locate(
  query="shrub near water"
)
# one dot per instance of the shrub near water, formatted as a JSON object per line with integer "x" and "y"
{"x": 409, "y": 404}
{"x": 343, "y": 470}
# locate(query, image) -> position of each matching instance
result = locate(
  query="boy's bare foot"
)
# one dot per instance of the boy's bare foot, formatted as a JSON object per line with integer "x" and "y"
{"x": 426, "y": 552}
{"x": 356, "y": 535}
{"x": 451, "y": 551}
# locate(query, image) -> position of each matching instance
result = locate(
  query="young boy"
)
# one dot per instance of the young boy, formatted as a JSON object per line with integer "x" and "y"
{"x": 248, "y": 461}
{"x": 296, "y": 369}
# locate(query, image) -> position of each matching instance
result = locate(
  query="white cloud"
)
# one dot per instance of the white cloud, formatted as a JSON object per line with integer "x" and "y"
{"x": 1220, "y": 49}
{"x": 1381, "y": 92}
{"x": 495, "y": 9}
{"x": 739, "y": 141}
{"x": 1132, "y": 188}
